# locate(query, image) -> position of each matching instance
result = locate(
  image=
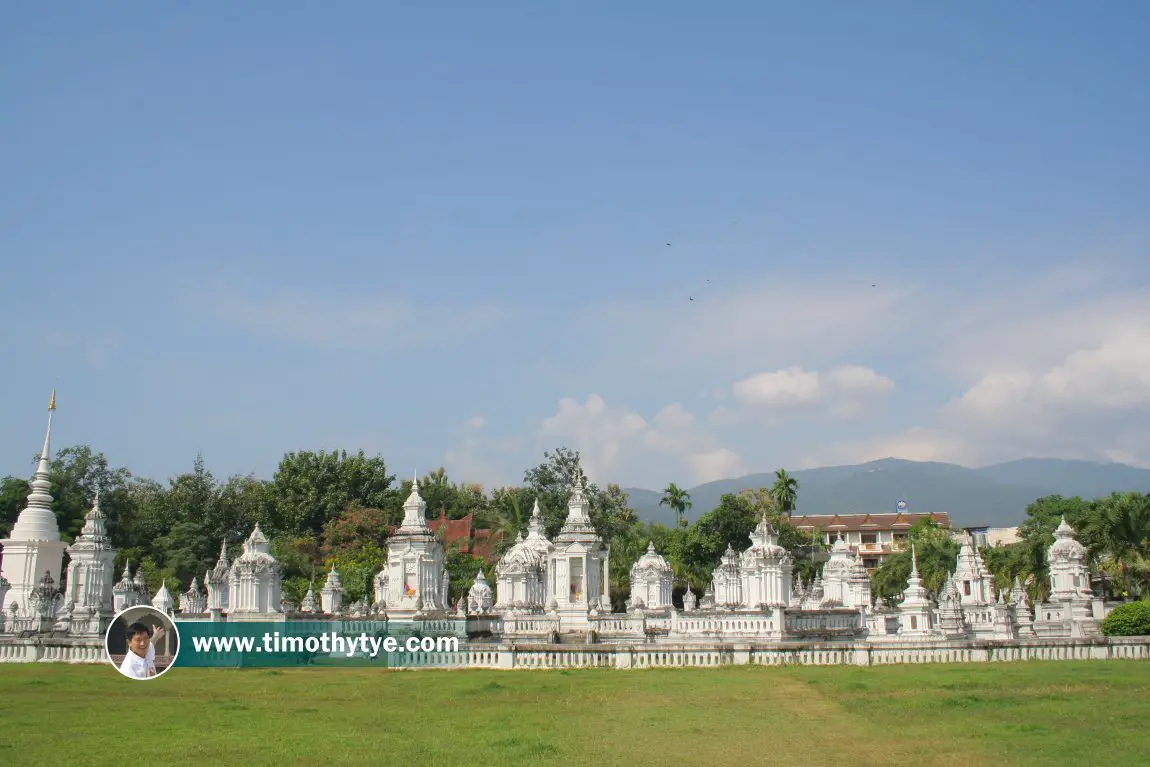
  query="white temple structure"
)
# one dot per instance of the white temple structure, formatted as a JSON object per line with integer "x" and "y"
{"x": 255, "y": 580}
{"x": 480, "y": 600}
{"x": 414, "y": 581}
{"x": 33, "y": 548}
{"x": 163, "y": 601}
{"x": 845, "y": 581}
{"x": 652, "y": 582}
{"x": 765, "y": 570}
{"x": 1072, "y": 608}
{"x": 88, "y": 599}
{"x": 331, "y": 595}
{"x": 915, "y": 610}
{"x": 577, "y": 567}
{"x": 975, "y": 583}
{"x": 193, "y": 600}
{"x": 551, "y": 603}
{"x": 726, "y": 581}
{"x": 216, "y": 582}
{"x": 521, "y": 574}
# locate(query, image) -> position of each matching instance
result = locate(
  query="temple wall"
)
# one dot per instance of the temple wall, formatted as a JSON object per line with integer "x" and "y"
{"x": 667, "y": 655}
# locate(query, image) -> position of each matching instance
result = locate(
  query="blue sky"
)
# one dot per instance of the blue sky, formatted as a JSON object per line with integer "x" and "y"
{"x": 439, "y": 233}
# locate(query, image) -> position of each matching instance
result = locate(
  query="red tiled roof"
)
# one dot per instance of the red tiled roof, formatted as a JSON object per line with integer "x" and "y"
{"x": 864, "y": 522}
{"x": 478, "y": 542}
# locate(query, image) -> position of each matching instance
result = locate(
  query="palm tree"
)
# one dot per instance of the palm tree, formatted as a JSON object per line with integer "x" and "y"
{"x": 1121, "y": 527}
{"x": 785, "y": 492}
{"x": 678, "y": 499}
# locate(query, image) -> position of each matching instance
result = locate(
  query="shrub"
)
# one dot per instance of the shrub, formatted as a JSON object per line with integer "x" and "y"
{"x": 1128, "y": 620}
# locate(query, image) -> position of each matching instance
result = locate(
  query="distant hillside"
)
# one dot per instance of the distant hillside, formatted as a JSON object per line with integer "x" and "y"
{"x": 996, "y": 495}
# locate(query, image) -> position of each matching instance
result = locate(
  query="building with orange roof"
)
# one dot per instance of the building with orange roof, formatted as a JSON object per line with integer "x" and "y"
{"x": 873, "y": 536}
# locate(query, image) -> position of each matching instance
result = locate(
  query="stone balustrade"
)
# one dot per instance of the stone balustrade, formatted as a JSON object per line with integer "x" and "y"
{"x": 619, "y": 628}
{"x": 824, "y": 622}
{"x": 780, "y": 654}
{"x": 530, "y": 625}
{"x": 650, "y": 655}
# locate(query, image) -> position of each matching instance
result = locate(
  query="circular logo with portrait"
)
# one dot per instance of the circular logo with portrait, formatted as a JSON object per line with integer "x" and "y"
{"x": 142, "y": 642}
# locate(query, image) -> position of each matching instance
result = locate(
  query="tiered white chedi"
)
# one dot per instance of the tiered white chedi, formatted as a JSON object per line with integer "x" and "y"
{"x": 521, "y": 574}
{"x": 33, "y": 551}
{"x": 414, "y": 582}
{"x": 549, "y": 592}
{"x": 577, "y": 567}
{"x": 88, "y": 597}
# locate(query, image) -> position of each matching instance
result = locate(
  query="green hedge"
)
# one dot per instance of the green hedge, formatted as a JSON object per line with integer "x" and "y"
{"x": 1129, "y": 620}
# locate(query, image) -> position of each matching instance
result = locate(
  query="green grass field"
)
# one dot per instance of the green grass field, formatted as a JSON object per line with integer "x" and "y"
{"x": 1054, "y": 713}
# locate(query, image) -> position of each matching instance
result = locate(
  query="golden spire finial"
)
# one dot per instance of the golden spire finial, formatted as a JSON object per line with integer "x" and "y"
{"x": 52, "y": 401}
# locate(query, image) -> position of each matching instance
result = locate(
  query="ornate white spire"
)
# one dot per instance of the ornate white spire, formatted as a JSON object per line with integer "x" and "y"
{"x": 95, "y": 527}
{"x": 333, "y": 581}
{"x": 577, "y": 506}
{"x": 414, "y": 508}
{"x": 163, "y": 600}
{"x": 37, "y": 522}
{"x": 41, "y": 482}
{"x": 535, "y": 525}
{"x": 578, "y": 524}
{"x": 915, "y": 595}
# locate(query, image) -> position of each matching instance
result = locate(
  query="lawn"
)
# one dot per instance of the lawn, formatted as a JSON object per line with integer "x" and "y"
{"x": 1052, "y": 713}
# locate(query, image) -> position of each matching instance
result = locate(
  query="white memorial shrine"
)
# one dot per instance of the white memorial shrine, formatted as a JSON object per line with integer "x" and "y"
{"x": 88, "y": 599}
{"x": 331, "y": 595}
{"x": 33, "y": 548}
{"x": 254, "y": 581}
{"x": 414, "y": 581}
{"x": 652, "y": 582}
{"x": 550, "y": 605}
{"x": 521, "y": 574}
{"x": 577, "y": 567}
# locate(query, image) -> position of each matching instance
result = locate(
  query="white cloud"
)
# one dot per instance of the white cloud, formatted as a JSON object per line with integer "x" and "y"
{"x": 994, "y": 368}
{"x": 784, "y": 387}
{"x": 843, "y": 392}
{"x": 1094, "y": 404}
{"x": 795, "y": 386}
{"x": 618, "y": 445}
{"x": 475, "y": 422}
{"x": 674, "y": 417}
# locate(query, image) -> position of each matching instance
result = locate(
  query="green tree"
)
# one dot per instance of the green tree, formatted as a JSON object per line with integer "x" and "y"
{"x": 701, "y": 547}
{"x": 462, "y": 569}
{"x": 357, "y": 569}
{"x": 309, "y": 488}
{"x": 75, "y": 473}
{"x": 14, "y": 494}
{"x": 785, "y": 492}
{"x": 551, "y": 483}
{"x": 506, "y": 514}
{"x": 679, "y": 500}
{"x": 1118, "y": 530}
{"x": 357, "y": 527}
{"x": 937, "y": 555}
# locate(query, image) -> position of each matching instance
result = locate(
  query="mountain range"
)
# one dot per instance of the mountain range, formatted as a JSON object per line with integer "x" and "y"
{"x": 992, "y": 496}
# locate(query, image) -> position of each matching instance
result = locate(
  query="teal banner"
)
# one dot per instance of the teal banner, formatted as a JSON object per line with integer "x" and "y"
{"x": 385, "y": 644}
